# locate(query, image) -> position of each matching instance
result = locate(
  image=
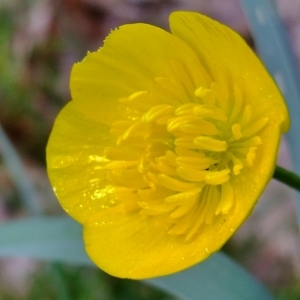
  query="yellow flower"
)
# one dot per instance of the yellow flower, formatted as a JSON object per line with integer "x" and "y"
{"x": 167, "y": 144}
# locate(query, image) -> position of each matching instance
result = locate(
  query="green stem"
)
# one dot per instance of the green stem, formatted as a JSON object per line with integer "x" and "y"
{"x": 287, "y": 177}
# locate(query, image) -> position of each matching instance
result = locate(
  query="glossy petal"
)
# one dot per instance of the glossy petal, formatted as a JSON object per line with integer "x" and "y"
{"x": 75, "y": 162}
{"x": 135, "y": 246}
{"x": 167, "y": 144}
{"x": 132, "y": 57}
{"x": 139, "y": 248}
{"x": 229, "y": 60}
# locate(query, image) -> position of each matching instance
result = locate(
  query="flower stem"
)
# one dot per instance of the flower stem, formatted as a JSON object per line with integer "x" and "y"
{"x": 287, "y": 177}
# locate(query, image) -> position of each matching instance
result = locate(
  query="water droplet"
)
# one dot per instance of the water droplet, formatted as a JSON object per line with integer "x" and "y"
{"x": 207, "y": 250}
{"x": 182, "y": 258}
{"x": 231, "y": 229}
{"x": 97, "y": 194}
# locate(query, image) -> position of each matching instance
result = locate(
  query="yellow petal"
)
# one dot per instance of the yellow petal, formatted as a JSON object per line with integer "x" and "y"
{"x": 251, "y": 181}
{"x": 138, "y": 246}
{"x": 75, "y": 163}
{"x": 229, "y": 60}
{"x": 121, "y": 68}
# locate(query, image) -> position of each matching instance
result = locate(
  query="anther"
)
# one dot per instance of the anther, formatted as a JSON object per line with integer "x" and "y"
{"x": 210, "y": 144}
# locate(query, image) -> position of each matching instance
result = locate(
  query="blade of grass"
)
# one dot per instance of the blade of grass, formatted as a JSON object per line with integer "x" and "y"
{"x": 14, "y": 165}
{"x": 45, "y": 238}
{"x": 216, "y": 278}
{"x": 59, "y": 282}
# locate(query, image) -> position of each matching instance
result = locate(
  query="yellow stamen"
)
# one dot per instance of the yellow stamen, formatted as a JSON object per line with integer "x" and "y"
{"x": 136, "y": 95}
{"x": 214, "y": 201}
{"x": 256, "y": 127}
{"x": 201, "y": 213}
{"x": 210, "y": 144}
{"x": 186, "y": 142}
{"x": 210, "y": 111}
{"x": 191, "y": 174}
{"x": 246, "y": 115}
{"x": 206, "y": 128}
{"x": 171, "y": 156}
{"x": 236, "y": 131}
{"x": 166, "y": 169}
{"x": 184, "y": 196}
{"x": 180, "y": 159}
{"x": 120, "y": 164}
{"x": 226, "y": 200}
{"x": 175, "y": 184}
{"x": 201, "y": 92}
{"x": 238, "y": 103}
{"x": 185, "y": 109}
{"x": 217, "y": 177}
{"x": 177, "y": 122}
{"x": 237, "y": 164}
{"x": 133, "y": 130}
{"x": 251, "y": 156}
{"x": 198, "y": 163}
{"x": 157, "y": 112}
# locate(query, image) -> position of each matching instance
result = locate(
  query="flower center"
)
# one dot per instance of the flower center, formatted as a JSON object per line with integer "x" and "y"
{"x": 178, "y": 160}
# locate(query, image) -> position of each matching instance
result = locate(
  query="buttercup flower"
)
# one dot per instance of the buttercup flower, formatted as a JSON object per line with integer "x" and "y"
{"x": 167, "y": 144}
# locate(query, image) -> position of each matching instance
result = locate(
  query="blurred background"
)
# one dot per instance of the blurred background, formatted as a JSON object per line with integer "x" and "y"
{"x": 39, "y": 42}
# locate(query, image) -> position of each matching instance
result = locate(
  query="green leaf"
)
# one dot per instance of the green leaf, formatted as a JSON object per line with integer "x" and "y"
{"x": 60, "y": 239}
{"x": 216, "y": 278}
{"x": 273, "y": 46}
{"x": 45, "y": 238}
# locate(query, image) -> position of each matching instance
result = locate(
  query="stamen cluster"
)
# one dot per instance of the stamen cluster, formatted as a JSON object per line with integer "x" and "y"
{"x": 179, "y": 160}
